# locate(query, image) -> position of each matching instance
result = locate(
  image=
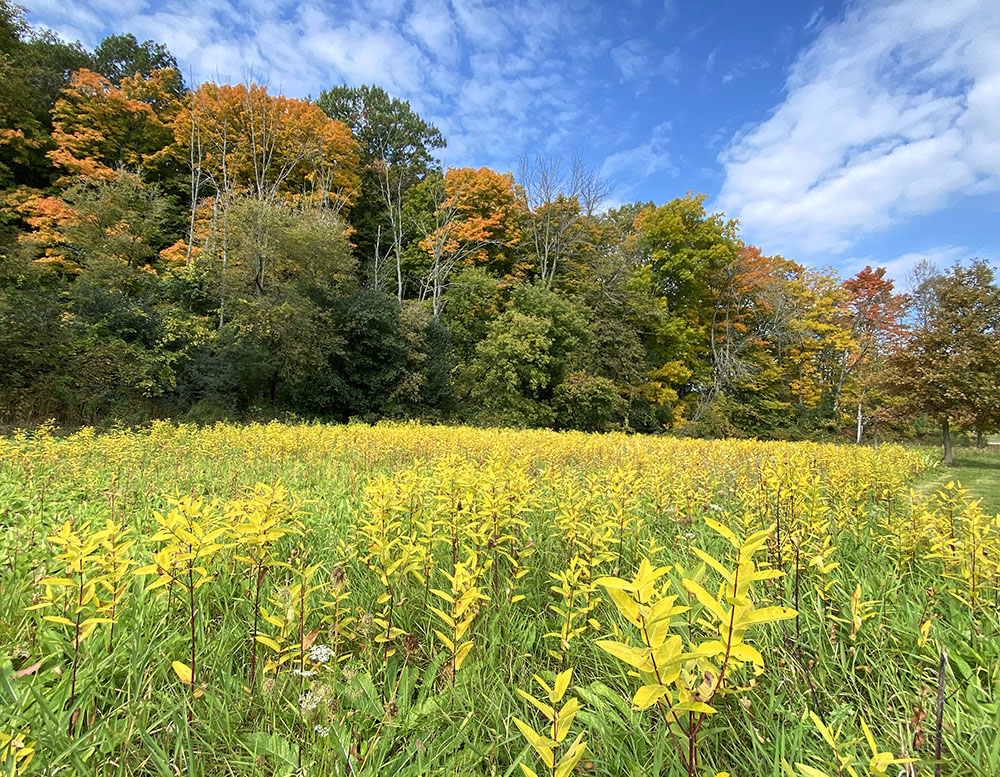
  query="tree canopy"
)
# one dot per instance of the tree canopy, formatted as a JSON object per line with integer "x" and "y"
{"x": 225, "y": 250}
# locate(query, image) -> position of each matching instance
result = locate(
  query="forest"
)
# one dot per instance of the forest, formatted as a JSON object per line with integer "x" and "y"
{"x": 222, "y": 252}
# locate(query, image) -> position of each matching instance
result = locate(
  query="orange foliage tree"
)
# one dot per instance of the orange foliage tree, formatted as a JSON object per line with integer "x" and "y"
{"x": 99, "y": 127}
{"x": 474, "y": 221}
{"x": 243, "y": 140}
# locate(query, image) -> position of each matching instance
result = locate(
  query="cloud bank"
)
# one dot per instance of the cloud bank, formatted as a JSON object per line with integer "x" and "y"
{"x": 892, "y": 112}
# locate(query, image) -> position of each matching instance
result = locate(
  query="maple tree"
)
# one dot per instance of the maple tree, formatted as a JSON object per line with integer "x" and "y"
{"x": 246, "y": 140}
{"x": 470, "y": 217}
{"x": 876, "y": 323}
{"x": 99, "y": 127}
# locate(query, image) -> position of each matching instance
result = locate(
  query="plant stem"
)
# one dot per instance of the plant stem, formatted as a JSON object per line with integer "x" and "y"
{"x": 939, "y": 722}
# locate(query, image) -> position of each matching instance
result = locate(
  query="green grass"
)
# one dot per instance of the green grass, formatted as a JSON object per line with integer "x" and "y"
{"x": 977, "y": 470}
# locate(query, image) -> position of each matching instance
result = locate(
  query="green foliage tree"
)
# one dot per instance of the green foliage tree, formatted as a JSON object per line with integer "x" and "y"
{"x": 396, "y": 149}
{"x": 528, "y": 350}
{"x": 118, "y": 56}
{"x": 949, "y": 365}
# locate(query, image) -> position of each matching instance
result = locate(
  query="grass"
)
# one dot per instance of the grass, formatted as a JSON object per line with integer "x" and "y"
{"x": 403, "y": 716}
{"x": 977, "y": 470}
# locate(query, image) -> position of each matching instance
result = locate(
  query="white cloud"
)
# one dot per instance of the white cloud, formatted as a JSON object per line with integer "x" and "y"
{"x": 497, "y": 79}
{"x": 898, "y": 268}
{"x": 632, "y": 166}
{"x": 891, "y": 113}
{"x": 639, "y": 63}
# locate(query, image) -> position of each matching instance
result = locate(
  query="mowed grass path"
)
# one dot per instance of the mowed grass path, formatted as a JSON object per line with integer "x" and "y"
{"x": 976, "y": 470}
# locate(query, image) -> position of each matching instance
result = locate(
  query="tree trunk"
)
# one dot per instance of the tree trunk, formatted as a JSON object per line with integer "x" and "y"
{"x": 949, "y": 459}
{"x": 979, "y": 438}
{"x": 860, "y": 426}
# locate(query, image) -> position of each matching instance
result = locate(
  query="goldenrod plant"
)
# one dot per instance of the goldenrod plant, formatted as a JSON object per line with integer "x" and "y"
{"x": 189, "y": 538}
{"x": 683, "y": 683}
{"x": 558, "y": 759}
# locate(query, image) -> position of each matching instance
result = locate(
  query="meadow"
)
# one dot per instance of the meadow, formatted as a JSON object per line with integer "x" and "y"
{"x": 415, "y": 600}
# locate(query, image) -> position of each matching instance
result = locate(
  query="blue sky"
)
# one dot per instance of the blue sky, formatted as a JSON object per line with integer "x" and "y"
{"x": 839, "y": 134}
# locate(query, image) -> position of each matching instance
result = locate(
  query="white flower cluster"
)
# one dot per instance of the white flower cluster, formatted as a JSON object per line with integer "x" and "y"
{"x": 308, "y": 701}
{"x": 304, "y": 672}
{"x": 321, "y": 654}
{"x": 323, "y": 731}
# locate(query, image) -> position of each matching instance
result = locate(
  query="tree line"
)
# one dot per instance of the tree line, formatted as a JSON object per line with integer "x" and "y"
{"x": 220, "y": 251}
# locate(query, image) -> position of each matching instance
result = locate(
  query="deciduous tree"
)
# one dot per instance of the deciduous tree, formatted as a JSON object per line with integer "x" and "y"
{"x": 948, "y": 366}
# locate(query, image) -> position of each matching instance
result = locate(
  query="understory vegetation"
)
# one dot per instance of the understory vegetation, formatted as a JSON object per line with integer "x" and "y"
{"x": 417, "y": 600}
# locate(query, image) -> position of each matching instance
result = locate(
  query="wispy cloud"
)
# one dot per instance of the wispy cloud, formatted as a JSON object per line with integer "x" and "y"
{"x": 890, "y": 113}
{"x": 497, "y": 79}
{"x": 632, "y": 166}
{"x": 639, "y": 64}
{"x": 898, "y": 268}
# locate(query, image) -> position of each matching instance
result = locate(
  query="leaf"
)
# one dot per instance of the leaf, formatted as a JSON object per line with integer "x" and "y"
{"x": 183, "y": 671}
{"x": 648, "y": 695}
{"x": 561, "y": 684}
{"x": 64, "y": 581}
{"x": 546, "y": 710}
{"x": 461, "y": 654}
{"x": 447, "y": 642}
{"x": 269, "y": 643}
{"x": 625, "y": 604}
{"x": 747, "y": 654}
{"x": 615, "y": 583}
{"x": 442, "y": 615}
{"x": 823, "y": 730}
{"x": 704, "y": 598}
{"x": 636, "y": 657}
{"x": 724, "y": 531}
{"x": 717, "y": 566}
{"x": 769, "y": 614}
{"x": 572, "y": 757}
{"x": 26, "y": 671}
{"x": 58, "y": 619}
{"x": 693, "y": 706}
{"x": 309, "y": 638}
{"x": 542, "y": 745}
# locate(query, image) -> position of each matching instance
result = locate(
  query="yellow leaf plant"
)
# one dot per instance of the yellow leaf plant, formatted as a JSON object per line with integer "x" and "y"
{"x": 462, "y": 606}
{"x": 684, "y": 681}
{"x": 189, "y": 538}
{"x": 290, "y": 614}
{"x": 115, "y": 561}
{"x": 16, "y": 752}
{"x": 259, "y": 522}
{"x": 558, "y": 759}
{"x": 76, "y": 591}
{"x": 574, "y": 589}
{"x": 389, "y": 554}
{"x": 845, "y": 760}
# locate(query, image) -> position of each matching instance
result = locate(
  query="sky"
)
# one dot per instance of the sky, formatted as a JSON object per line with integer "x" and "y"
{"x": 838, "y": 133}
